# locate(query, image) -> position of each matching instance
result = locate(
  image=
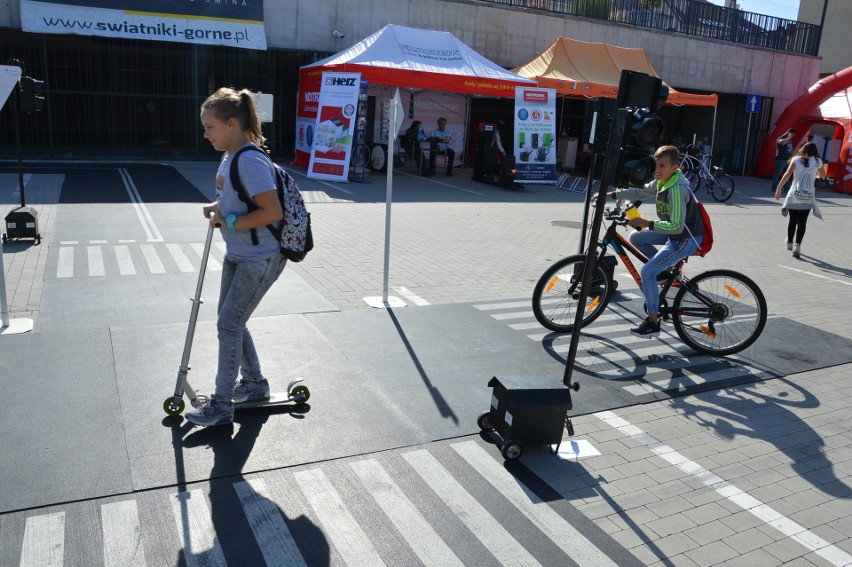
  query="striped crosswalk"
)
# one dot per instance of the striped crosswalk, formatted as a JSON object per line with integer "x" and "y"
{"x": 97, "y": 259}
{"x": 404, "y": 490}
{"x": 639, "y": 366}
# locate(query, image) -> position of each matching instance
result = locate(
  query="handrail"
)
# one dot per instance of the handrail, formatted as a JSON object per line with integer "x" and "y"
{"x": 690, "y": 17}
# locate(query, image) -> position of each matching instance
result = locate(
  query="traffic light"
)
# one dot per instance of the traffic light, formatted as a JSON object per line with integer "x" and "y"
{"x": 635, "y": 134}
{"x": 636, "y": 130}
{"x": 31, "y": 95}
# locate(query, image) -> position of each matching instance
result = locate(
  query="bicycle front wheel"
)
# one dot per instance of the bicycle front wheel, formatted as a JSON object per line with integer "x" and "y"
{"x": 721, "y": 187}
{"x": 556, "y": 294}
{"x": 693, "y": 178}
{"x": 719, "y": 312}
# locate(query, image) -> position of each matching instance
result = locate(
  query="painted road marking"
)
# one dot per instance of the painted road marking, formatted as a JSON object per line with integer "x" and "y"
{"x": 148, "y": 224}
{"x": 488, "y": 530}
{"x": 342, "y": 529}
{"x": 270, "y": 531}
{"x": 815, "y": 275}
{"x": 65, "y": 266}
{"x": 96, "y": 261}
{"x": 692, "y": 379}
{"x": 155, "y": 266}
{"x": 421, "y": 537}
{"x": 789, "y": 528}
{"x": 197, "y": 535}
{"x": 560, "y": 532}
{"x": 182, "y": 262}
{"x": 411, "y": 296}
{"x": 125, "y": 262}
{"x": 212, "y": 263}
{"x": 44, "y": 541}
{"x": 122, "y": 535}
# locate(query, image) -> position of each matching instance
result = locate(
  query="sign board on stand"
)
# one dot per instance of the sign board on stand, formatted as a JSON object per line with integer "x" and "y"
{"x": 334, "y": 127}
{"x": 535, "y": 135}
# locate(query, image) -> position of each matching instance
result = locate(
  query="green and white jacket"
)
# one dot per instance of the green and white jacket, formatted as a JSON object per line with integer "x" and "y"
{"x": 676, "y": 206}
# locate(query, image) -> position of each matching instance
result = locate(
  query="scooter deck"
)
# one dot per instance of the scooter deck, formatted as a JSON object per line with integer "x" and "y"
{"x": 274, "y": 399}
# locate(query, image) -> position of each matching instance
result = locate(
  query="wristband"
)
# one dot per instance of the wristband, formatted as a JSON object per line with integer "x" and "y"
{"x": 230, "y": 220}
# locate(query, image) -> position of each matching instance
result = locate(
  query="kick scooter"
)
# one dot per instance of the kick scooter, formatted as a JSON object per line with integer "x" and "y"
{"x": 174, "y": 405}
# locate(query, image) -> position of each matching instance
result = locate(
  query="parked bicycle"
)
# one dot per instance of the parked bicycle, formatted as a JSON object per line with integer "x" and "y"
{"x": 718, "y": 312}
{"x": 718, "y": 184}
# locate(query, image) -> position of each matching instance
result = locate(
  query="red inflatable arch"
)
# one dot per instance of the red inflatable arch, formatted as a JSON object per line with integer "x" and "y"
{"x": 828, "y": 101}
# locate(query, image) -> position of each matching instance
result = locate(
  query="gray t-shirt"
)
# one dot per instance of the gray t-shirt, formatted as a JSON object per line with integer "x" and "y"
{"x": 258, "y": 176}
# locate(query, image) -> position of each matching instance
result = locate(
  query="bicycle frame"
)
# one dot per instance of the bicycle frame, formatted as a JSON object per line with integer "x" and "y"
{"x": 621, "y": 246}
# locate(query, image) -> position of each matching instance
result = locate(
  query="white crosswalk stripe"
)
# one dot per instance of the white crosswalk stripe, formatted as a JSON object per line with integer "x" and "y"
{"x": 44, "y": 541}
{"x": 273, "y": 538}
{"x": 337, "y": 521}
{"x": 425, "y": 542}
{"x": 195, "y": 528}
{"x": 485, "y": 527}
{"x": 155, "y": 265}
{"x": 125, "y": 261}
{"x": 180, "y": 259}
{"x": 96, "y": 261}
{"x": 122, "y": 535}
{"x": 132, "y": 259}
{"x": 543, "y": 516}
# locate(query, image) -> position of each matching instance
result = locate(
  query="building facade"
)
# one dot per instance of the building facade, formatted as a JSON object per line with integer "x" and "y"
{"x": 121, "y": 95}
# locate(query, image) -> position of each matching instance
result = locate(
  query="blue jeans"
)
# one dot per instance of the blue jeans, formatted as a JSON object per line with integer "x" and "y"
{"x": 672, "y": 252}
{"x": 244, "y": 283}
{"x": 780, "y": 168}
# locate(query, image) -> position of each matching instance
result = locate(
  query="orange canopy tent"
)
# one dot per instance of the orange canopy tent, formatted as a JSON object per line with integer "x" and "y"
{"x": 585, "y": 69}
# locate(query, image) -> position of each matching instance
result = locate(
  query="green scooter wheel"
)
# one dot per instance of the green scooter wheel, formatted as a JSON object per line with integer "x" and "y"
{"x": 172, "y": 407}
{"x": 300, "y": 394}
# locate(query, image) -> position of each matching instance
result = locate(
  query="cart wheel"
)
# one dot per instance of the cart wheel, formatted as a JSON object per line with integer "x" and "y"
{"x": 300, "y": 394}
{"x": 484, "y": 421}
{"x": 511, "y": 450}
{"x": 4, "y": 238}
{"x": 173, "y": 408}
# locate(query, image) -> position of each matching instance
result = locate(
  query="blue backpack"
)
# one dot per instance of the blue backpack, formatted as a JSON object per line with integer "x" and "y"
{"x": 295, "y": 235}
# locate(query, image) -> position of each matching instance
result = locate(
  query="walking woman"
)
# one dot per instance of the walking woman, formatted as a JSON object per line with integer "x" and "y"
{"x": 800, "y": 200}
{"x": 230, "y": 123}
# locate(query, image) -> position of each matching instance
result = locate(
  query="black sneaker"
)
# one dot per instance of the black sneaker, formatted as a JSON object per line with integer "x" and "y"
{"x": 647, "y": 328}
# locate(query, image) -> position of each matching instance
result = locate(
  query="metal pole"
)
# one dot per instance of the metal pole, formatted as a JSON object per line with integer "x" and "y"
{"x": 589, "y": 177}
{"x": 745, "y": 150}
{"x": 18, "y": 145}
{"x": 388, "y": 200}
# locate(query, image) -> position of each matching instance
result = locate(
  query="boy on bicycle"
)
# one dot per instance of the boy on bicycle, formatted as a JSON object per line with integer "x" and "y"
{"x": 679, "y": 231}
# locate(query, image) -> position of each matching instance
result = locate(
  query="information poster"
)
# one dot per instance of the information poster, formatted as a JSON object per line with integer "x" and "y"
{"x": 334, "y": 129}
{"x": 535, "y": 135}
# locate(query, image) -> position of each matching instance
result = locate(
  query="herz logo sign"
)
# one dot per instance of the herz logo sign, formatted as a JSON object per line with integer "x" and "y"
{"x": 339, "y": 81}
{"x": 535, "y": 96}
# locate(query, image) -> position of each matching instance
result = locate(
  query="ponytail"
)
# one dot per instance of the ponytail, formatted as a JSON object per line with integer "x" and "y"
{"x": 228, "y": 103}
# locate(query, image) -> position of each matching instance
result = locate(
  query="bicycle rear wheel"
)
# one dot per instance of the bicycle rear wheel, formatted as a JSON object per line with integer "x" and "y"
{"x": 557, "y": 291}
{"x": 721, "y": 187}
{"x": 719, "y": 312}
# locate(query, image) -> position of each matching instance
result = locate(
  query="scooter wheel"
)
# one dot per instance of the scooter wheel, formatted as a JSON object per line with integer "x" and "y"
{"x": 173, "y": 408}
{"x": 300, "y": 394}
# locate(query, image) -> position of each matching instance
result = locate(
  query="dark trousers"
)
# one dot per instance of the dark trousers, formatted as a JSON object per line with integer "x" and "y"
{"x": 780, "y": 168}
{"x": 451, "y": 156}
{"x": 797, "y": 224}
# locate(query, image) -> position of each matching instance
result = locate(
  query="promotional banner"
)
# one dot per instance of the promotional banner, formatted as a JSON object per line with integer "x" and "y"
{"x": 9, "y": 76}
{"x": 331, "y": 134}
{"x": 235, "y": 24}
{"x": 535, "y": 135}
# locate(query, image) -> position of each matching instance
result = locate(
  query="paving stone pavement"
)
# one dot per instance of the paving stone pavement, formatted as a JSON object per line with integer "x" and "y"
{"x": 748, "y": 475}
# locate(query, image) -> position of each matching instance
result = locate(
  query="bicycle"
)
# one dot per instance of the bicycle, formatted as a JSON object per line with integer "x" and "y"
{"x": 718, "y": 183}
{"x": 718, "y": 312}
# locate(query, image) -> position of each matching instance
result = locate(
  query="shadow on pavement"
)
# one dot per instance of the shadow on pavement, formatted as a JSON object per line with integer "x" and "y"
{"x": 233, "y": 499}
{"x": 767, "y": 418}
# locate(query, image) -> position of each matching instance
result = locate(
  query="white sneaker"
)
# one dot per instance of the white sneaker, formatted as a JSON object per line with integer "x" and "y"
{"x": 789, "y": 245}
{"x": 249, "y": 390}
{"x": 797, "y": 250}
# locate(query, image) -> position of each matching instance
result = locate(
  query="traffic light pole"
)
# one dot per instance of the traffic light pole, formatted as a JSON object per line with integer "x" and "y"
{"x": 18, "y": 146}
